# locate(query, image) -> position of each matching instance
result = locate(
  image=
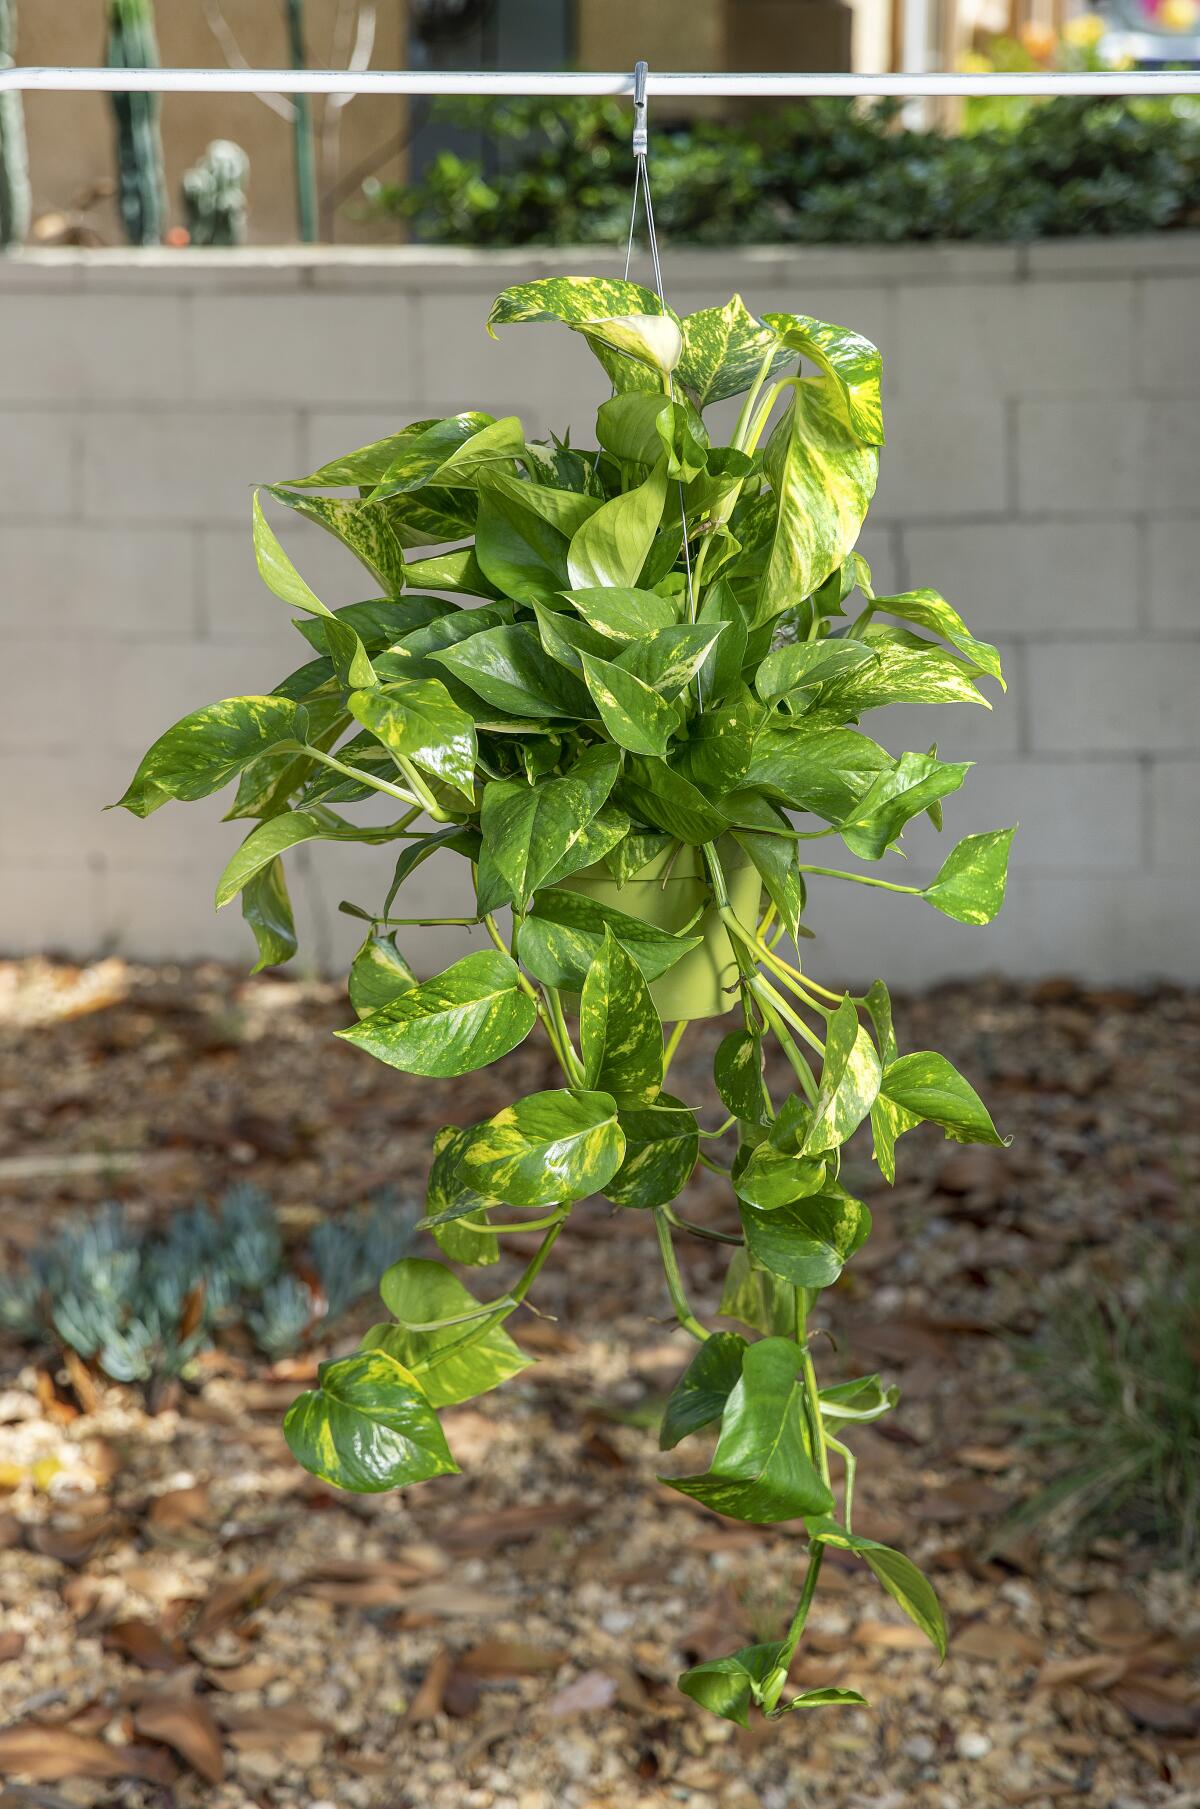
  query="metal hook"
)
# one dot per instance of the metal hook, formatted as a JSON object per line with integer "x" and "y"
{"x": 640, "y": 135}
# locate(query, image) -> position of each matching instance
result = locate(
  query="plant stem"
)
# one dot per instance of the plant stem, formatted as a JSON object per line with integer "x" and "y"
{"x": 510, "y": 1302}
{"x": 550, "y": 1218}
{"x": 356, "y": 773}
{"x": 863, "y": 879}
{"x": 675, "y": 1288}
{"x": 564, "y": 1047}
{"x": 792, "y": 1637}
{"x": 796, "y": 1061}
{"x": 851, "y": 1462}
{"x": 673, "y": 1042}
{"x": 752, "y": 395}
{"x": 432, "y": 807}
{"x": 717, "y": 1168}
{"x": 705, "y": 1231}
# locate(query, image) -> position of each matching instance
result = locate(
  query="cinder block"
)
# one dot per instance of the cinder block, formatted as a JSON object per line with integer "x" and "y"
{"x": 53, "y": 907}
{"x": 72, "y": 349}
{"x": 1175, "y": 816}
{"x": 1014, "y": 339}
{"x": 1172, "y": 440}
{"x": 47, "y": 697}
{"x": 944, "y": 458}
{"x": 159, "y": 913}
{"x": 1101, "y": 697}
{"x": 1078, "y": 816}
{"x": 39, "y": 465}
{"x": 136, "y": 690}
{"x": 235, "y": 604}
{"x": 304, "y": 348}
{"x": 1173, "y": 573}
{"x": 1087, "y": 258}
{"x": 182, "y": 465}
{"x": 1083, "y": 456}
{"x": 1030, "y": 579}
{"x": 331, "y": 432}
{"x": 1165, "y": 341}
{"x": 94, "y": 579}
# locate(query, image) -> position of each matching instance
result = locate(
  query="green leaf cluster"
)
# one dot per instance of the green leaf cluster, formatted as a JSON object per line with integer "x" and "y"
{"x": 625, "y": 659}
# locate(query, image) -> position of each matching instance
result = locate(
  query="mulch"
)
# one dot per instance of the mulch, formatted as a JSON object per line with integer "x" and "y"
{"x": 188, "y": 1619}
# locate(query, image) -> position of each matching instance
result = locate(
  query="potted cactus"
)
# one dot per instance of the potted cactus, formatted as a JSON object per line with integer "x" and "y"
{"x": 629, "y": 697}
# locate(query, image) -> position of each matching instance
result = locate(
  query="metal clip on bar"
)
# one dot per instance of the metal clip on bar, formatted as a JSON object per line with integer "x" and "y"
{"x": 640, "y": 134}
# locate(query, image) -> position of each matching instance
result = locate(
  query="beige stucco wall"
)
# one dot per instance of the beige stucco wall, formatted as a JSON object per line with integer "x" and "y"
{"x": 71, "y": 135}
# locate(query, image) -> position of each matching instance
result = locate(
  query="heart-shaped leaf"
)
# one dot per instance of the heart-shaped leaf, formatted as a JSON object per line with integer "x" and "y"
{"x": 620, "y": 1033}
{"x": 463, "y": 1019}
{"x": 367, "y": 1426}
{"x": 546, "y": 1149}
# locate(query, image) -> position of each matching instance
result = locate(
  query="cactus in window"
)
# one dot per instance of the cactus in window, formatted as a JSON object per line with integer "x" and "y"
{"x": 15, "y": 204}
{"x": 141, "y": 188}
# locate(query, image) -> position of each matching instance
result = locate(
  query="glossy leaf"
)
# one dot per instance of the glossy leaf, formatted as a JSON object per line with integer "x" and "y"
{"x": 416, "y": 1292}
{"x": 823, "y": 478}
{"x": 762, "y": 1469}
{"x": 635, "y": 716}
{"x": 528, "y": 829}
{"x": 610, "y": 548}
{"x": 926, "y": 1086}
{"x": 898, "y": 1575}
{"x": 668, "y": 659}
{"x": 207, "y": 749}
{"x": 564, "y": 932}
{"x": 463, "y": 1019}
{"x": 267, "y": 908}
{"x": 658, "y": 795}
{"x": 809, "y": 1242}
{"x": 699, "y": 1396}
{"x": 728, "y": 1686}
{"x": 452, "y": 452}
{"x": 971, "y": 880}
{"x": 774, "y": 1177}
{"x": 850, "y": 1077}
{"x": 506, "y": 667}
{"x": 367, "y": 1426}
{"x": 823, "y": 770}
{"x": 915, "y": 783}
{"x": 546, "y": 1149}
{"x": 778, "y": 862}
{"x": 367, "y": 464}
{"x": 379, "y": 622}
{"x": 276, "y": 569}
{"x": 851, "y": 362}
{"x": 738, "y": 1073}
{"x": 724, "y": 349}
{"x": 366, "y": 529}
{"x": 662, "y": 1144}
{"x": 523, "y": 554}
{"x": 759, "y": 1299}
{"x": 623, "y": 614}
{"x": 620, "y": 1034}
{"x": 417, "y": 720}
{"x": 928, "y": 609}
{"x": 274, "y": 837}
{"x": 859, "y": 1401}
{"x": 379, "y": 973}
{"x": 449, "y": 1200}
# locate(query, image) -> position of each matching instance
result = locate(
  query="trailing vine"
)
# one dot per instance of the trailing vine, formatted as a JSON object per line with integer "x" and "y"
{"x": 634, "y": 729}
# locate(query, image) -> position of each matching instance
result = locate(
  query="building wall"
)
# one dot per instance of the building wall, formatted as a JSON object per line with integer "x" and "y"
{"x": 1043, "y": 411}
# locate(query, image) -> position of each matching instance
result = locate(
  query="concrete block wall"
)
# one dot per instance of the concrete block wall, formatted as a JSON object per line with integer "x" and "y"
{"x": 1042, "y": 471}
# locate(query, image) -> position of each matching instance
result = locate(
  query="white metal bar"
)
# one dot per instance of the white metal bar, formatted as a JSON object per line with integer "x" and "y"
{"x": 686, "y": 86}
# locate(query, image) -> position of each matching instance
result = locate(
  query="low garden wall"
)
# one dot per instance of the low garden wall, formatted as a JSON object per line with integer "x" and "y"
{"x": 1042, "y": 471}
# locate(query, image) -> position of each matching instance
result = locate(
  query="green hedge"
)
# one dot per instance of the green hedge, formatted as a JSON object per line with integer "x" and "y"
{"x": 821, "y": 172}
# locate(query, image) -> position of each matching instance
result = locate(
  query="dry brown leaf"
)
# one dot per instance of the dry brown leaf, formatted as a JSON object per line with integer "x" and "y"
{"x": 184, "y": 1723}
{"x": 427, "y": 1704}
{"x": 509, "y": 1658}
{"x": 1003, "y": 1645}
{"x": 233, "y": 1678}
{"x": 49, "y": 1754}
{"x": 993, "y": 1459}
{"x": 893, "y": 1636}
{"x": 481, "y": 1532}
{"x": 1094, "y": 1671}
{"x": 594, "y": 1691}
{"x": 234, "y": 1598}
{"x": 443, "y": 1601}
{"x": 287, "y": 1731}
{"x": 145, "y": 1644}
{"x": 11, "y": 1646}
{"x": 11, "y": 1532}
{"x": 1117, "y": 1620}
{"x": 71, "y": 1544}
{"x": 178, "y": 1509}
{"x": 1158, "y": 1706}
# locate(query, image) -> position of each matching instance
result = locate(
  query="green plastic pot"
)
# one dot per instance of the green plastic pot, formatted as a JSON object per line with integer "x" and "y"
{"x": 703, "y": 983}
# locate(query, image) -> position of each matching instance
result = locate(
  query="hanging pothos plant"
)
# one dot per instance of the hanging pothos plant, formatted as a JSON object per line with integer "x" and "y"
{"x": 636, "y": 722}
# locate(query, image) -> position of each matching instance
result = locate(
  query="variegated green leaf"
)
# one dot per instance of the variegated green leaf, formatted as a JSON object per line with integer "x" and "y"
{"x": 204, "y": 751}
{"x": 546, "y": 1149}
{"x": 724, "y": 349}
{"x": 620, "y": 1035}
{"x": 364, "y": 528}
{"x": 379, "y": 973}
{"x": 564, "y": 932}
{"x": 611, "y": 547}
{"x": 927, "y": 609}
{"x": 850, "y": 1077}
{"x": 662, "y": 1146}
{"x": 529, "y": 829}
{"x": 916, "y": 782}
{"x": 367, "y": 1426}
{"x": 415, "y": 1292}
{"x": 468, "y": 1016}
{"x": 416, "y": 719}
{"x": 635, "y": 716}
{"x": 851, "y": 362}
{"x": 506, "y": 667}
{"x": 809, "y": 1242}
{"x": 453, "y": 452}
{"x": 971, "y": 880}
{"x": 267, "y": 908}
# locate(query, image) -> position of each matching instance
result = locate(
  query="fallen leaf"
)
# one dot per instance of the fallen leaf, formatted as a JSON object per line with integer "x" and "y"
{"x": 443, "y": 1601}
{"x": 231, "y": 1678}
{"x": 461, "y": 1695}
{"x": 175, "y": 1510}
{"x": 287, "y": 1730}
{"x": 991, "y": 1458}
{"x": 1117, "y": 1620}
{"x": 48, "y": 1754}
{"x": 1157, "y": 1706}
{"x": 1003, "y": 1645}
{"x": 427, "y": 1704}
{"x": 509, "y": 1658}
{"x": 145, "y": 1644}
{"x": 72, "y": 1544}
{"x": 481, "y": 1532}
{"x": 11, "y": 1646}
{"x": 184, "y": 1723}
{"x": 234, "y": 1598}
{"x": 1094, "y": 1671}
{"x": 594, "y": 1691}
{"x": 894, "y": 1636}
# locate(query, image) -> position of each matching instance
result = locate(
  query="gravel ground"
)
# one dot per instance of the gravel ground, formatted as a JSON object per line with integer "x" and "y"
{"x": 190, "y": 1620}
